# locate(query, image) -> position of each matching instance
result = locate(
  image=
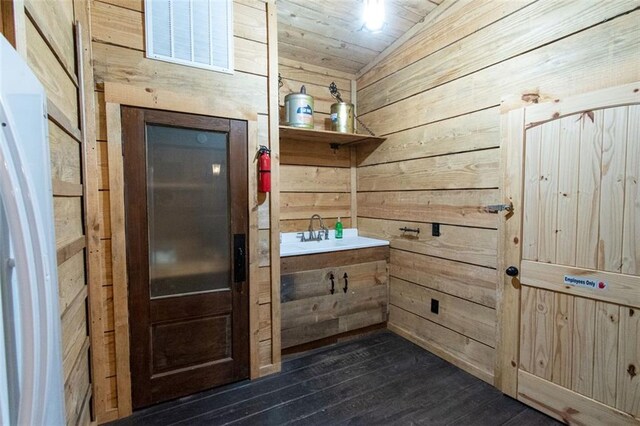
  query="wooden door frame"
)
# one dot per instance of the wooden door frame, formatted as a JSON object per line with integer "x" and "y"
{"x": 116, "y": 95}
{"x": 13, "y": 24}
{"x": 142, "y": 308}
{"x": 513, "y": 124}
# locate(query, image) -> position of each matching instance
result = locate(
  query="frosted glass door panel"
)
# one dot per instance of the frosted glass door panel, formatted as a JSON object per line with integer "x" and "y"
{"x": 188, "y": 210}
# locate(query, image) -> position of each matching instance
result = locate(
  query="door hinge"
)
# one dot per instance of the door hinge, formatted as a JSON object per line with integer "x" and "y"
{"x": 496, "y": 208}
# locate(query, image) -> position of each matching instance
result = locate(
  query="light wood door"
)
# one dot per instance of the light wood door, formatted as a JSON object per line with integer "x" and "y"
{"x": 570, "y": 296}
{"x": 186, "y": 222}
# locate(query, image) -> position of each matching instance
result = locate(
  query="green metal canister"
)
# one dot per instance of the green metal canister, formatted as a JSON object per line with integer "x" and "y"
{"x": 342, "y": 117}
{"x": 298, "y": 108}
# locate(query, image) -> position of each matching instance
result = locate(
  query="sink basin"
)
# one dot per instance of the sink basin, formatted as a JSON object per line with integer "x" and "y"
{"x": 291, "y": 245}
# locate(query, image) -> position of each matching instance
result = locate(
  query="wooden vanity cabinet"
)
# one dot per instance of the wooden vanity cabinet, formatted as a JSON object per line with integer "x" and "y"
{"x": 311, "y": 311}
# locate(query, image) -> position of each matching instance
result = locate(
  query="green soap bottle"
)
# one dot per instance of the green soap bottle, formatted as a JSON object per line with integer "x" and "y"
{"x": 338, "y": 229}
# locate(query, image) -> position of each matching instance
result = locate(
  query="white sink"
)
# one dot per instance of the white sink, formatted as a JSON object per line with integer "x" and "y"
{"x": 291, "y": 245}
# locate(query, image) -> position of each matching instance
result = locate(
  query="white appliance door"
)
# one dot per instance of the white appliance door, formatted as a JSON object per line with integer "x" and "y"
{"x": 25, "y": 190}
{"x": 9, "y": 389}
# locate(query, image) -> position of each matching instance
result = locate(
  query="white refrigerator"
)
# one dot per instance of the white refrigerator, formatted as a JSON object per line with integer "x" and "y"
{"x": 31, "y": 389}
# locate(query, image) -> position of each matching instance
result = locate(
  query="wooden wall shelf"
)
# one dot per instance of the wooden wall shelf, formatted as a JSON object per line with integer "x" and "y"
{"x": 325, "y": 136}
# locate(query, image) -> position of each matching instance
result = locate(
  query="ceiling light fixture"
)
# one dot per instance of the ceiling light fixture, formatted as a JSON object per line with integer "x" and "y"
{"x": 373, "y": 15}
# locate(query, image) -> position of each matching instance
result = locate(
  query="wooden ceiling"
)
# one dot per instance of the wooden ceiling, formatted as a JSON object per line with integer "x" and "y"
{"x": 329, "y": 33}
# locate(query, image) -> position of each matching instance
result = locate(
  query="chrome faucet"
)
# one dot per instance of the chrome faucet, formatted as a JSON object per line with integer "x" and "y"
{"x": 313, "y": 236}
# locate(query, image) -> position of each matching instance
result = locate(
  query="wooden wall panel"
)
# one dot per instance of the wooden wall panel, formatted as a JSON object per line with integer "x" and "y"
{"x": 121, "y": 27}
{"x": 74, "y": 329}
{"x": 531, "y": 26}
{"x": 468, "y": 282}
{"x": 450, "y": 26}
{"x": 455, "y": 207}
{"x": 314, "y": 178}
{"x": 436, "y": 98}
{"x": 302, "y": 205}
{"x": 56, "y": 21}
{"x": 476, "y": 130}
{"x": 67, "y": 219}
{"x": 47, "y": 37}
{"x": 123, "y": 65}
{"x": 463, "y": 352}
{"x": 470, "y": 319}
{"x": 530, "y": 74}
{"x": 314, "y": 154}
{"x": 66, "y": 163}
{"x": 71, "y": 280}
{"x": 60, "y": 87}
{"x": 316, "y": 80}
{"x": 452, "y": 243}
{"x": 298, "y": 225}
{"x": 478, "y": 169}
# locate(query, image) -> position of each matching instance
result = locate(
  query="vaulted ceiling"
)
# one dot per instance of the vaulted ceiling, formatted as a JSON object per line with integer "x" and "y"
{"x": 329, "y": 33}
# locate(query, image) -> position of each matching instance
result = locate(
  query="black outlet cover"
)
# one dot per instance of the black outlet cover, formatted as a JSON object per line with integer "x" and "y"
{"x": 435, "y": 306}
{"x": 435, "y": 230}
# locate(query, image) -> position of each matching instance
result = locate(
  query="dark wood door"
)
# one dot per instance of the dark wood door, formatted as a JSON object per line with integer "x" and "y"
{"x": 186, "y": 225}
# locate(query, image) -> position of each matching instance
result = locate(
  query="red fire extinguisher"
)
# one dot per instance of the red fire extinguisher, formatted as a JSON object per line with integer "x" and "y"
{"x": 264, "y": 169}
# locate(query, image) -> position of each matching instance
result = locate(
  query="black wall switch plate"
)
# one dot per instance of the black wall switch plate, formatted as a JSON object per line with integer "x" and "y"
{"x": 435, "y": 229}
{"x": 435, "y": 306}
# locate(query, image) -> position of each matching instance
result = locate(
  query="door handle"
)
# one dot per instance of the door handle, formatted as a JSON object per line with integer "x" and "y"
{"x": 512, "y": 271}
{"x": 239, "y": 258}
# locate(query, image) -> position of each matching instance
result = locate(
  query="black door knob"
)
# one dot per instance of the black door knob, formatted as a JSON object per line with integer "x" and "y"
{"x": 512, "y": 271}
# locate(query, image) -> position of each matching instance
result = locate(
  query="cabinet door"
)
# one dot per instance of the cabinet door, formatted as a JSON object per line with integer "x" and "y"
{"x": 311, "y": 311}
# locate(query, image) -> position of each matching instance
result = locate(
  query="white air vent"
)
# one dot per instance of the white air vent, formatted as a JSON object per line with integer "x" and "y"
{"x": 198, "y": 33}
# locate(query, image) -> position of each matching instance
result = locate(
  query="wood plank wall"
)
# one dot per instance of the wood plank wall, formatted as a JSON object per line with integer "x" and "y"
{"x": 437, "y": 98}
{"x": 118, "y": 47}
{"x": 314, "y": 178}
{"x": 51, "y": 48}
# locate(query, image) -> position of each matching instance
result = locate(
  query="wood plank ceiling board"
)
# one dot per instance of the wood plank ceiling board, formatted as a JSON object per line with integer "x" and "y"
{"x": 330, "y": 34}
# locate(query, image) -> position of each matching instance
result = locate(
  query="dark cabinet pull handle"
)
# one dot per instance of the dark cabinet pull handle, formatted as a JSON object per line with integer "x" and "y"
{"x": 346, "y": 282}
{"x": 512, "y": 271}
{"x": 333, "y": 284}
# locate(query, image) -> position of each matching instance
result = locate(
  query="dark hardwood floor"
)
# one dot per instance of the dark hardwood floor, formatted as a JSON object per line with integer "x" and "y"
{"x": 380, "y": 379}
